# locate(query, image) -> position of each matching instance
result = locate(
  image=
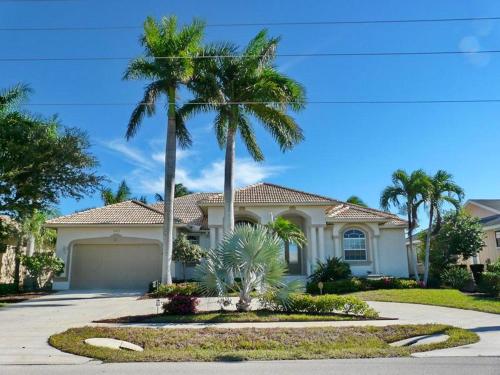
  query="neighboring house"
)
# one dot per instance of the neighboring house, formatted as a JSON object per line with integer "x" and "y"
{"x": 119, "y": 246}
{"x": 8, "y": 257}
{"x": 413, "y": 255}
{"x": 488, "y": 210}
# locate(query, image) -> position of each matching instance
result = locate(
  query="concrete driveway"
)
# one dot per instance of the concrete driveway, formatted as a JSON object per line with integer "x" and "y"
{"x": 26, "y": 326}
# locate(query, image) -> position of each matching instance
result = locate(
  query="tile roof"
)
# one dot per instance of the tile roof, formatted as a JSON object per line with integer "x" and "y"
{"x": 268, "y": 193}
{"x": 128, "y": 212}
{"x": 491, "y": 203}
{"x": 188, "y": 209}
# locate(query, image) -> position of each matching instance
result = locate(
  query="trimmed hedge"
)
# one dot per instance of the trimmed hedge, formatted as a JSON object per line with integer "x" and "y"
{"x": 361, "y": 284}
{"x": 490, "y": 283}
{"x": 8, "y": 289}
{"x": 181, "y": 305}
{"x": 183, "y": 289}
{"x": 326, "y": 304}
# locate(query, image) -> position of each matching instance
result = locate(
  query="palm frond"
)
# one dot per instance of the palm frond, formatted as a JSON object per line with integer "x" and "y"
{"x": 249, "y": 139}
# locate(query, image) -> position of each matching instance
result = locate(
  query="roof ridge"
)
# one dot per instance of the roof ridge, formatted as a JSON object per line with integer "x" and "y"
{"x": 89, "y": 209}
{"x": 145, "y": 205}
{"x": 299, "y": 191}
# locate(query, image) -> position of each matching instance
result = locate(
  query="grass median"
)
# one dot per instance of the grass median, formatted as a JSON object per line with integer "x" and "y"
{"x": 211, "y": 344}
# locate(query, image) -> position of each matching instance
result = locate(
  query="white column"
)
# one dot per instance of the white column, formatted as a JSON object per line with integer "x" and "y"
{"x": 314, "y": 246}
{"x": 213, "y": 240}
{"x": 321, "y": 243}
{"x": 337, "y": 249}
{"x": 220, "y": 236}
{"x": 375, "y": 253}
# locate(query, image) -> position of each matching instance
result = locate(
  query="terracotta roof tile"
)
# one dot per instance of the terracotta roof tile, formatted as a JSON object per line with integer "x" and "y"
{"x": 187, "y": 210}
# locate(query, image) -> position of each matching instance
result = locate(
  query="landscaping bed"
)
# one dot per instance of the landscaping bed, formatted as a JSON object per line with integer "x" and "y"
{"x": 233, "y": 317}
{"x": 437, "y": 297}
{"x": 210, "y": 344}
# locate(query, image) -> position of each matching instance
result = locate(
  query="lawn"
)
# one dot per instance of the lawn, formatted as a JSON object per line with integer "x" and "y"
{"x": 210, "y": 344}
{"x": 437, "y": 297}
{"x": 231, "y": 317}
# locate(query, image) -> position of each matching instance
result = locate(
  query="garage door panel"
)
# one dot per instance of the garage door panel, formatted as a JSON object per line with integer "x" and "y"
{"x": 115, "y": 266}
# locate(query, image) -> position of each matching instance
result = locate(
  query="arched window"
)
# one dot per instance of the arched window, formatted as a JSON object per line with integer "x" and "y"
{"x": 354, "y": 245}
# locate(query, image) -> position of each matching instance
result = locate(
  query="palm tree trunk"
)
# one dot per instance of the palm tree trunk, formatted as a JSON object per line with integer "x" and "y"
{"x": 410, "y": 236}
{"x": 229, "y": 180}
{"x": 428, "y": 246}
{"x": 168, "y": 210}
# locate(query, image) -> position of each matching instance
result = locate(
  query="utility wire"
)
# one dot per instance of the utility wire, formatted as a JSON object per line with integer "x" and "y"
{"x": 246, "y": 24}
{"x": 326, "y": 54}
{"x": 424, "y": 101}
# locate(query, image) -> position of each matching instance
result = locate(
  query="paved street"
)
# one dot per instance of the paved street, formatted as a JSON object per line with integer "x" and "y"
{"x": 383, "y": 366}
{"x": 26, "y": 326}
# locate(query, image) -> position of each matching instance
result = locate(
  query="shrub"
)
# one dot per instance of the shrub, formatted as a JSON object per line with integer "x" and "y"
{"x": 7, "y": 289}
{"x": 180, "y": 305}
{"x": 326, "y": 304}
{"x": 490, "y": 283}
{"x": 336, "y": 287}
{"x": 455, "y": 277}
{"x": 494, "y": 267}
{"x": 332, "y": 269}
{"x": 185, "y": 252}
{"x": 42, "y": 266}
{"x": 182, "y": 289}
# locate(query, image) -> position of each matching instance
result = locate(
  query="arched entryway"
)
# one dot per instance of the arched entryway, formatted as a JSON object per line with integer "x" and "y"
{"x": 295, "y": 255}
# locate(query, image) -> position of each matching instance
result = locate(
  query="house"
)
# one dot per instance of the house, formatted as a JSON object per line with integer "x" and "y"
{"x": 119, "y": 246}
{"x": 488, "y": 210}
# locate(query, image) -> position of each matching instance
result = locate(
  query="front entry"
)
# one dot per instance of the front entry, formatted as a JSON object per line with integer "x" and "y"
{"x": 117, "y": 266}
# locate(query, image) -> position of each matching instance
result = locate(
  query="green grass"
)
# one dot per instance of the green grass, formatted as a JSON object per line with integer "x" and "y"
{"x": 210, "y": 344}
{"x": 231, "y": 317}
{"x": 437, "y": 297}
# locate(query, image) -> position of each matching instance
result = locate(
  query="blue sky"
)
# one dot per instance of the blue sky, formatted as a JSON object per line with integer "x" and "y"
{"x": 349, "y": 149}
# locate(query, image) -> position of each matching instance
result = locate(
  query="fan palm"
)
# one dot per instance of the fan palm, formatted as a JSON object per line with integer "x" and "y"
{"x": 406, "y": 194}
{"x": 240, "y": 85}
{"x": 441, "y": 190}
{"x": 251, "y": 254}
{"x": 122, "y": 194}
{"x": 167, "y": 64}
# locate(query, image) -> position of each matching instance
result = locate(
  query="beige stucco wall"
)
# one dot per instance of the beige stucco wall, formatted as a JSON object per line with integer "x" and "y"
{"x": 490, "y": 251}
{"x": 478, "y": 211}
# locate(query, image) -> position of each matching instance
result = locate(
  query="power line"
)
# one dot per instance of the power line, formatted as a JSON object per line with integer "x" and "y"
{"x": 326, "y": 54}
{"x": 247, "y": 24}
{"x": 340, "y": 102}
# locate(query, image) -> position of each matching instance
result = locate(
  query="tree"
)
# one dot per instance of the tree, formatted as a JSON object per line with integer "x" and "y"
{"x": 122, "y": 194}
{"x": 179, "y": 191}
{"x": 42, "y": 266}
{"x": 406, "y": 194}
{"x": 10, "y": 98}
{"x": 38, "y": 236}
{"x": 441, "y": 189}
{"x": 40, "y": 162}
{"x": 253, "y": 255}
{"x": 287, "y": 231}
{"x": 354, "y": 199}
{"x": 185, "y": 252}
{"x": 461, "y": 236}
{"x": 167, "y": 64}
{"x": 237, "y": 88}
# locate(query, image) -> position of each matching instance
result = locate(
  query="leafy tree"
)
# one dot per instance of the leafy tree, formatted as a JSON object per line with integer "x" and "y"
{"x": 185, "y": 252}
{"x": 241, "y": 88}
{"x": 167, "y": 64}
{"x": 180, "y": 191}
{"x": 122, "y": 194}
{"x": 253, "y": 255}
{"x": 441, "y": 189}
{"x": 354, "y": 199}
{"x": 287, "y": 231}
{"x": 38, "y": 236}
{"x": 406, "y": 194}
{"x": 42, "y": 266}
{"x": 460, "y": 236}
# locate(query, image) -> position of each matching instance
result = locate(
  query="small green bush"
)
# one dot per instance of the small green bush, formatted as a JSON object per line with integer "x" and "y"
{"x": 456, "y": 277}
{"x": 326, "y": 304}
{"x": 490, "y": 283}
{"x": 494, "y": 267}
{"x": 184, "y": 289}
{"x": 7, "y": 289}
{"x": 181, "y": 305}
{"x": 361, "y": 284}
{"x": 332, "y": 269}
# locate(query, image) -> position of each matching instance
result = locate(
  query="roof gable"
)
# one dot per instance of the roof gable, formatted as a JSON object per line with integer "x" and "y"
{"x": 491, "y": 204}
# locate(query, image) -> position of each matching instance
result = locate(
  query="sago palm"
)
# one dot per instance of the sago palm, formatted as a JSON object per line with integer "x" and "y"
{"x": 167, "y": 64}
{"x": 441, "y": 190}
{"x": 406, "y": 194}
{"x": 240, "y": 86}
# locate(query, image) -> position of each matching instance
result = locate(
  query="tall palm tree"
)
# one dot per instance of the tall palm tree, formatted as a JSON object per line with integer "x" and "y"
{"x": 441, "y": 190}
{"x": 122, "y": 194}
{"x": 238, "y": 86}
{"x": 167, "y": 64}
{"x": 406, "y": 194}
{"x": 11, "y": 97}
{"x": 354, "y": 199}
{"x": 179, "y": 191}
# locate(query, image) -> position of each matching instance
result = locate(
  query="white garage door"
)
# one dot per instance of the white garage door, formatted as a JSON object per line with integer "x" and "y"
{"x": 115, "y": 266}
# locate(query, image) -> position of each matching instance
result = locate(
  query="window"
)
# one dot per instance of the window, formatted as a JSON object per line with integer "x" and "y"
{"x": 497, "y": 238}
{"x": 195, "y": 240}
{"x": 354, "y": 245}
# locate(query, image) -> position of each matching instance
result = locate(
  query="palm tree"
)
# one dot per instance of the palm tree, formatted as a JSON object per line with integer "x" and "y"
{"x": 11, "y": 97}
{"x": 179, "y": 191}
{"x": 238, "y": 86}
{"x": 406, "y": 194}
{"x": 441, "y": 190}
{"x": 287, "y": 231}
{"x": 167, "y": 64}
{"x": 122, "y": 194}
{"x": 354, "y": 199}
